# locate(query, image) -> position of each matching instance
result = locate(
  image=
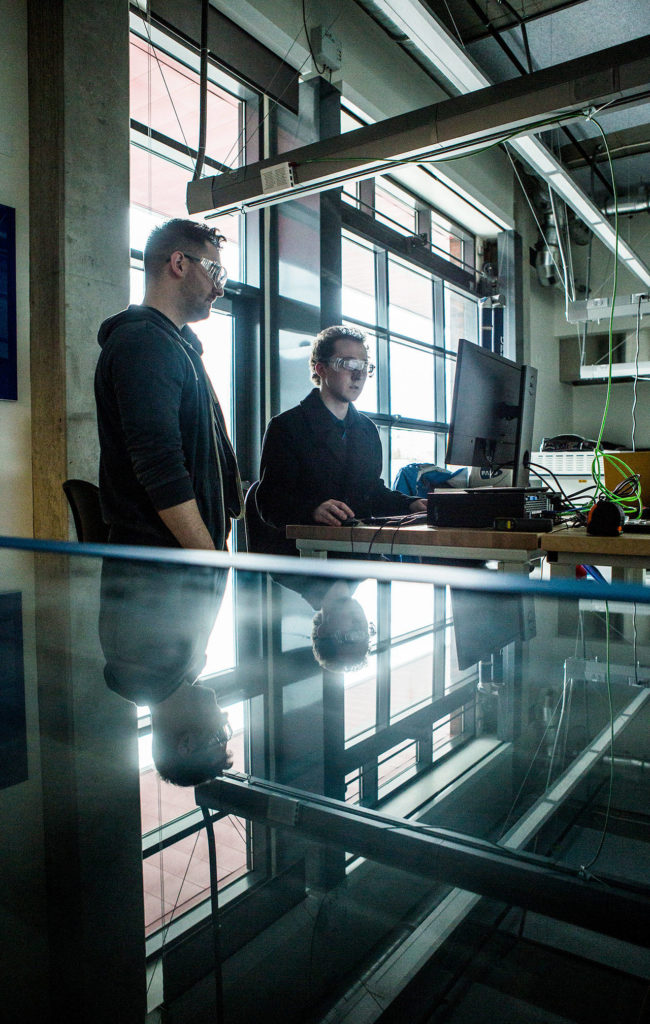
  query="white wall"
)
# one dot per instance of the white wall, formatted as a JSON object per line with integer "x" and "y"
{"x": 15, "y": 417}
{"x": 589, "y": 401}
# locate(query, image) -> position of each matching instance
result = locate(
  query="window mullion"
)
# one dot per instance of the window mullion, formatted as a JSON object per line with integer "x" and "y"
{"x": 383, "y": 355}
{"x": 440, "y": 363}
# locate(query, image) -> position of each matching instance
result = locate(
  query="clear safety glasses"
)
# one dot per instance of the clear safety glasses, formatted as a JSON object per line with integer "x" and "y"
{"x": 359, "y": 366}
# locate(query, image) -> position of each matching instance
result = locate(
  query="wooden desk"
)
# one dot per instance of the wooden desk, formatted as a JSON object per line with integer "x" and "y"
{"x": 628, "y": 554}
{"x": 513, "y": 551}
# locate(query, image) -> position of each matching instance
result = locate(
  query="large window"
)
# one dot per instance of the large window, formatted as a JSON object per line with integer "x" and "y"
{"x": 164, "y": 107}
{"x": 414, "y": 321}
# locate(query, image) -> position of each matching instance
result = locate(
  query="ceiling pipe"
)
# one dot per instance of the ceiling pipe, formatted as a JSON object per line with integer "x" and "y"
{"x": 640, "y": 205}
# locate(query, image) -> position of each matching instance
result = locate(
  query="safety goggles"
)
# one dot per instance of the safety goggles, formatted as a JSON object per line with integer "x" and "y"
{"x": 215, "y": 271}
{"x": 353, "y": 365}
{"x": 222, "y": 736}
{"x": 353, "y": 636}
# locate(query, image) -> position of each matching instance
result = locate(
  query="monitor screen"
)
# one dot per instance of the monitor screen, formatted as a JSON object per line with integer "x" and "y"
{"x": 479, "y": 632}
{"x": 491, "y": 424}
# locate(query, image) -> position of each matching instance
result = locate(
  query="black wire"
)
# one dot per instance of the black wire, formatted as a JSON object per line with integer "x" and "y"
{"x": 535, "y": 466}
{"x": 203, "y": 91}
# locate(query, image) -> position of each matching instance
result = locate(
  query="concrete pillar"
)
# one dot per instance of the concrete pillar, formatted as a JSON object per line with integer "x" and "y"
{"x": 79, "y": 245}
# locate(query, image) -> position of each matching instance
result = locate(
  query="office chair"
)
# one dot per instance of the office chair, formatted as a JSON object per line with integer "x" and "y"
{"x": 262, "y": 538}
{"x": 83, "y": 498}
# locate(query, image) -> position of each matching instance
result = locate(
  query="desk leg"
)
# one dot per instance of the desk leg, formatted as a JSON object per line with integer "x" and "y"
{"x": 562, "y": 570}
{"x": 622, "y": 575}
{"x": 519, "y": 567}
{"x": 311, "y": 552}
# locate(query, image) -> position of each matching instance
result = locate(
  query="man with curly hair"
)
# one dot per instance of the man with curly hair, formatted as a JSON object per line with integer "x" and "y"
{"x": 321, "y": 461}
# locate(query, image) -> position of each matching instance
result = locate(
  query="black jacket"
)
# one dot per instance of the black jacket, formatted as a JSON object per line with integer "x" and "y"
{"x": 304, "y": 462}
{"x": 155, "y": 621}
{"x": 161, "y": 431}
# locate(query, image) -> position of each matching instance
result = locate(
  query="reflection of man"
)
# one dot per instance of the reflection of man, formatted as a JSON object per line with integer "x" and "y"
{"x": 340, "y": 632}
{"x": 167, "y": 474}
{"x": 321, "y": 461}
{"x": 154, "y": 625}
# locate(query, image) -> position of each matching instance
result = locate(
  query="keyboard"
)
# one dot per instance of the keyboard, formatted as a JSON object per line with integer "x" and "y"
{"x": 636, "y": 526}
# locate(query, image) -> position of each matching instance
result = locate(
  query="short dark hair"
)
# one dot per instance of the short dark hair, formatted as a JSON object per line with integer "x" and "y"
{"x": 322, "y": 347}
{"x": 178, "y": 233}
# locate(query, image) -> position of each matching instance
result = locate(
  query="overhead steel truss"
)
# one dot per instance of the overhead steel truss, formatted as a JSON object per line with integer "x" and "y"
{"x": 619, "y": 75}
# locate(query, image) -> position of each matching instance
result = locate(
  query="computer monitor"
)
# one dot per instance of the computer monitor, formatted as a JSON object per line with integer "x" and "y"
{"x": 484, "y": 624}
{"x": 492, "y": 412}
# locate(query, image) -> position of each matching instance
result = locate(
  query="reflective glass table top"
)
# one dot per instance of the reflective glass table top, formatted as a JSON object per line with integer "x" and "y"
{"x": 395, "y": 765}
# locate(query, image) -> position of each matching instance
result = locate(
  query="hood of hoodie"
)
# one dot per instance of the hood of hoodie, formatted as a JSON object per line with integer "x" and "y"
{"x": 133, "y": 315}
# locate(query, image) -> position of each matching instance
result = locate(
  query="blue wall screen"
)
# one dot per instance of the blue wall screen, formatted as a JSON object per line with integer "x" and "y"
{"x": 8, "y": 363}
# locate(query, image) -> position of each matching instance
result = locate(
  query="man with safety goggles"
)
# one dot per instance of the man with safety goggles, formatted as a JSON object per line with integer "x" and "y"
{"x": 168, "y": 474}
{"x": 321, "y": 461}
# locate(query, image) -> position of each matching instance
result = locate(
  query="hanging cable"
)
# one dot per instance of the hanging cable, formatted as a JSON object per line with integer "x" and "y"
{"x": 154, "y": 50}
{"x": 203, "y": 91}
{"x": 636, "y": 371}
{"x": 568, "y": 284}
{"x": 532, "y": 210}
{"x": 584, "y": 868}
{"x": 629, "y": 505}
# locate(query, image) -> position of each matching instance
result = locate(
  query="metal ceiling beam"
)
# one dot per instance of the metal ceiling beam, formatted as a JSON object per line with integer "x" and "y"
{"x": 430, "y": 37}
{"x": 634, "y": 141}
{"x": 619, "y": 75}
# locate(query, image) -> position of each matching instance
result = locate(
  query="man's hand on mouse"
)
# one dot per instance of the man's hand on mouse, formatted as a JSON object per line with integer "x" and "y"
{"x": 332, "y": 512}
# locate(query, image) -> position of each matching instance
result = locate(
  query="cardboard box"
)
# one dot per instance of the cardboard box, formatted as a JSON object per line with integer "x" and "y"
{"x": 639, "y": 462}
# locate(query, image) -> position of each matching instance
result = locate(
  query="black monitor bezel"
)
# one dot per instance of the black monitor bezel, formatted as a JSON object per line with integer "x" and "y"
{"x": 473, "y": 361}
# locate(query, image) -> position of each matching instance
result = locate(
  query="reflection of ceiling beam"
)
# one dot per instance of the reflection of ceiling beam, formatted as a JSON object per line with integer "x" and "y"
{"x": 628, "y": 142}
{"x": 618, "y": 75}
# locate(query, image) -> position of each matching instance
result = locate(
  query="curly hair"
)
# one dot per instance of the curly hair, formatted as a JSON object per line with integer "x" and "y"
{"x": 323, "y": 345}
{"x": 178, "y": 233}
{"x": 336, "y": 655}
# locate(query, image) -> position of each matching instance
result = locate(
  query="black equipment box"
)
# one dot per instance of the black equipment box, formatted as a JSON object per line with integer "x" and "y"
{"x": 480, "y": 506}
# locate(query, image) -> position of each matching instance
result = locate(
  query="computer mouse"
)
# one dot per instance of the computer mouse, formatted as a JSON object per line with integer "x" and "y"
{"x": 352, "y": 521}
{"x": 605, "y": 519}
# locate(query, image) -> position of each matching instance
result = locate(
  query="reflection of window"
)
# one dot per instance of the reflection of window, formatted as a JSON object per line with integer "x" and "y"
{"x": 411, "y": 382}
{"x": 461, "y": 318}
{"x": 367, "y": 401}
{"x": 406, "y": 680}
{"x": 394, "y": 207}
{"x": 299, "y": 249}
{"x": 358, "y": 275}
{"x": 410, "y": 307}
{"x": 216, "y": 336}
{"x": 295, "y": 372}
{"x": 164, "y": 103}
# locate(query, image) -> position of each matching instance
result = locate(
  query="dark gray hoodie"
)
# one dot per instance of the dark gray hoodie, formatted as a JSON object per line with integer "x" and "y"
{"x": 161, "y": 431}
